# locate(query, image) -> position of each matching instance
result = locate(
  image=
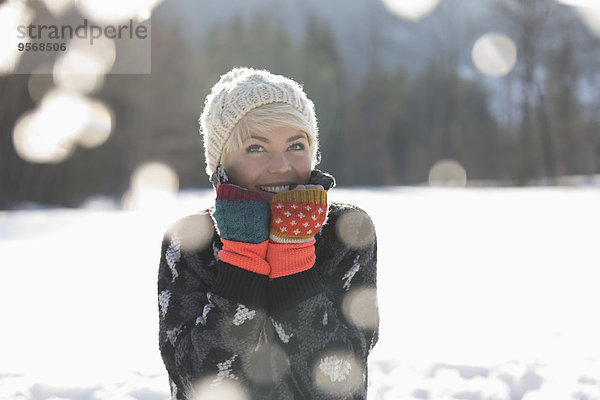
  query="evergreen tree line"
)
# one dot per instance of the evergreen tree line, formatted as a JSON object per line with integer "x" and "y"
{"x": 387, "y": 129}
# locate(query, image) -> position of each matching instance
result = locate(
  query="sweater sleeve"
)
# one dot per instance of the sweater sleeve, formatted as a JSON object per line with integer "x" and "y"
{"x": 326, "y": 318}
{"x": 211, "y": 314}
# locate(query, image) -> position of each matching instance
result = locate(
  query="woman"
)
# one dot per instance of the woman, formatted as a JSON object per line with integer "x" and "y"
{"x": 271, "y": 293}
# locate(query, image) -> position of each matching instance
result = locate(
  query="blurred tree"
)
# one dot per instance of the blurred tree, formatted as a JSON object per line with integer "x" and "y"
{"x": 365, "y": 158}
{"x": 365, "y": 155}
{"x": 571, "y": 56}
{"x": 319, "y": 67}
{"x": 555, "y": 55}
{"x": 16, "y": 180}
{"x": 527, "y": 20}
{"x": 449, "y": 117}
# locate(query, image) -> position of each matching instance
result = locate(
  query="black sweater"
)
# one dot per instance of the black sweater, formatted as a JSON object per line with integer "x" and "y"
{"x": 304, "y": 336}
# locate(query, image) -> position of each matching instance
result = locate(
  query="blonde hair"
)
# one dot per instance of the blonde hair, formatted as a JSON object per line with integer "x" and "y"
{"x": 267, "y": 117}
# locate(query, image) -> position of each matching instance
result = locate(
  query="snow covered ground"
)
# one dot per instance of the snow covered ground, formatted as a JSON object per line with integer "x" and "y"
{"x": 484, "y": 294}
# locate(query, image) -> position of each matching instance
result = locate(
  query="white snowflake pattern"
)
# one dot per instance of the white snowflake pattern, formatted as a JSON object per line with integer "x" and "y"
{"x": 320, "y": 211}
{"x": 278, "y": 220}
{"x": 287, "y": 213}
{"x": 301, "y": 215}
{"x": 308, "y": 208}
{"x": 285, "y": 338}
{"x": 296, "y": 232}
{"x": 350, "y": 274}
{"x": 279, "y": 205}
{"x": 163, "y": 302}
{"x": 202, "y": 318}
{"x": 305, "y": 224}
{"x": 173, "y": 255}
{"x": 172, "y": 335}
{"x": 294, "y": 206}
{"x": 225, "y": 371}
{"x": 314, "y": 217}
{"x": 309, "y": 231}
{"x": 317, "y": 225}
{"x": 336, "y": 369}
{"x": 293, "y": 222}
{"x": 174, "y": 389}
{"x": 243, "y": 314}
{"x": 283, "y": 229}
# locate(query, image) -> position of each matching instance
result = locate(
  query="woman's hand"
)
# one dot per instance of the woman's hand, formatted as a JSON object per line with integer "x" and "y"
{"x": 241, "y": 215}
{"x": 298, "y": 214}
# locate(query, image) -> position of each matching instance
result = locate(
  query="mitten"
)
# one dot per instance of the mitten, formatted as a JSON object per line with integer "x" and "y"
{"x": 242, "y": 220}
{"x": 297, "y": 216}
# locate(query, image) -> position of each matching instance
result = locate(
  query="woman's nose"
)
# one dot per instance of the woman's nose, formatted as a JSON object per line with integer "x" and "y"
{"x": 279, "y": 163}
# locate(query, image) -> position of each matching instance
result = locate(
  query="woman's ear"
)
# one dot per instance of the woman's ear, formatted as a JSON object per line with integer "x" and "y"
{"x": 219, "y": 176}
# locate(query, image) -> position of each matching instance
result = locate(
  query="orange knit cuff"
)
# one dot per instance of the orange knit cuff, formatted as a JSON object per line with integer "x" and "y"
{"x": 248, "y": 256}
{"x": 290, "y": 258}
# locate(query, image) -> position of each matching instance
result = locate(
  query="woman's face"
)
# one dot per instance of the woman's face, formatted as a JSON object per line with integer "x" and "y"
{"x": 270, "y": 161}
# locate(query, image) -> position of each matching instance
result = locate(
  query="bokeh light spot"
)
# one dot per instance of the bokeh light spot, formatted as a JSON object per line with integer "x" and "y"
{"x": 213, "y": 388}
{"x": 143, "y": 15}
{"x": 66, "y": 73}
{"x": 34, "y": 143}
{"x": 268, "y": 365}
{"x": 49, "y": 133}
{"x": 83, "y": 66}
{"x": 338, "y": 373}
{"x": 194, "y": 233}
{"x": 355, "y": 229}
{"x": 153, "y": 186}
{"x": 12, "y": 14}
{"x": 494, "y": 54}
{"x": 155, "y": 174}
{"x": 360, "y": 307}
{"x": 68, "y": 112}
{"x": 116, "y": 11}
{"x": 580, "y": 3}
{"x": 448, "y": 173}
{"x": 412, "y": 10}
{"x": 59, "y": 8}
{"x": 591, "y": 17}
{"x": 99, "y": 126}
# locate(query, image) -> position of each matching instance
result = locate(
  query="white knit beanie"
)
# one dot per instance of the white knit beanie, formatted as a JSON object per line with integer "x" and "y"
{"x": 240, "y": 91}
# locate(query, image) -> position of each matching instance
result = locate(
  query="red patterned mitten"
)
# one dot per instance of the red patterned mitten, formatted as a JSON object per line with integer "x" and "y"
{"x": 297, "y": 216}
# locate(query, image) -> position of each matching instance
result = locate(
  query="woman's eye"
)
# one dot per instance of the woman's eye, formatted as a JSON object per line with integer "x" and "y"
{"x": 297, "y": 147}
{"x": 254, "y": 148}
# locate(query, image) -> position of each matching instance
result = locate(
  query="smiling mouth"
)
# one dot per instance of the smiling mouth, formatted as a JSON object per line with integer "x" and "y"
{"x": 275, "y": 189}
